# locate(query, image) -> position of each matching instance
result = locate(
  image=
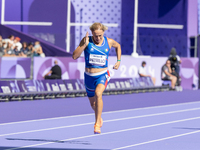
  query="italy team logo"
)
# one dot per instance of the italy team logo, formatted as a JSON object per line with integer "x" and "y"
{"x": 106, "y": 50}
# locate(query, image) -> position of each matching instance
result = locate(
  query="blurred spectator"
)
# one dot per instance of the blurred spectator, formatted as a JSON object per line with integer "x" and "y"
{"x": 175, "y": 60}
{"x": 30, "y": 48}
{"x": 10, "y": 40}
{"x": 24, "y": 50}
{"x": 37, "y": 50}
{"x": 17, "y": 52}
{"x": 142, "y": 72}
{"x": 166, "y": 74}
{"x": 1, "y": 41}
{"x": 55, "y": 72}
{"x": 17, "y": 45}
{"x": 8, "y": 51}
{"x": 1, "y": 46}
{"x": 175, "y": 65}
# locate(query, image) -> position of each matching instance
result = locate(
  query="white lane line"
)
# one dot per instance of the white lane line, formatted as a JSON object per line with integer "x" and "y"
{"x": 157, "y": 140}
{"x": 28, "y": 121}
{"x": 118, "y": 131}
{"x": 118, "y": 111}
{"x": 112, "y": 120}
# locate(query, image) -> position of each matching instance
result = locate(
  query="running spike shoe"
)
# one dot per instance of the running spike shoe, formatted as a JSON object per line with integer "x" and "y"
{"x": 97, "y": 129}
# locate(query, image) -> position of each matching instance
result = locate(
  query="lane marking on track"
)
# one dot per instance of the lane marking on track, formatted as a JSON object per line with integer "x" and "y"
{"x": 112, "y": 120}
{"x": 157, "y": 140}
{"x": 112, "y": 132}
{"x": 118, "y": 111}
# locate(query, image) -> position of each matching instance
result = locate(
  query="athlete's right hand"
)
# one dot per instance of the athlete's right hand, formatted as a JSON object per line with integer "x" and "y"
{"x": 87, "y": 39}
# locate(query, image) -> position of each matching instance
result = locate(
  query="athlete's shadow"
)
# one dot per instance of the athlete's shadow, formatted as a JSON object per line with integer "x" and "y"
{"x": 186, "y": 128}
{"x": 50, "y": 140}
{"x": 74, "y": 142}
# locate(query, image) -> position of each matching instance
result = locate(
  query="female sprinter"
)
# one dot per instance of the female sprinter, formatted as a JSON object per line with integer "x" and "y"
{"x": 96, "y": 50}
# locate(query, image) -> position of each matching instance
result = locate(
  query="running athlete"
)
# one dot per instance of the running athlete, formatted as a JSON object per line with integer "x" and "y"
{"x": 96, "y": 50}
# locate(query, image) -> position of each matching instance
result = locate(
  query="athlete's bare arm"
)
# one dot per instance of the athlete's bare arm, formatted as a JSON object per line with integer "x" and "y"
{"x": 83, "y": 44}
{"x": 116, "y": 45}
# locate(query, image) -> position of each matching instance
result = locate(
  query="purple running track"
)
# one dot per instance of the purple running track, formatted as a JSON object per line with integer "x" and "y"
{"x": 165, "y": 120}
{"x": 39, "y": 109}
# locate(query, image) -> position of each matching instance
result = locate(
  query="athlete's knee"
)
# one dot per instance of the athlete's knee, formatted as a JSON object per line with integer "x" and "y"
{"x": 93, "y": 105}
{"x": 98, "y": 94}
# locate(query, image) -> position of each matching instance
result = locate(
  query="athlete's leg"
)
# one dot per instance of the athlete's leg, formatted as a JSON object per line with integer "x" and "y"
{"x": 93, "y": 102}
{"x": 99, "y": 102}
{"x": 93, "y": 105}
{"x": 95, "y": 85}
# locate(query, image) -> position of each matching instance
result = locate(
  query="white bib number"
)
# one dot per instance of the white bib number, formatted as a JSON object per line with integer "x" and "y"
{"x": 99, "y": 60}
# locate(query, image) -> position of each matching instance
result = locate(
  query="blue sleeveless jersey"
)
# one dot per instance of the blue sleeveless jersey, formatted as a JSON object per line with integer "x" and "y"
{"x": 96, "y": 56}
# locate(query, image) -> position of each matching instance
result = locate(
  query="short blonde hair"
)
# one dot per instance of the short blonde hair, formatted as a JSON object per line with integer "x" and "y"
{"x": 97, "y": 25}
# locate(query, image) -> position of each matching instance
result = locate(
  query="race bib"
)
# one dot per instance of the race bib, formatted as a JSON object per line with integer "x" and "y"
{"x": 99, "y": 60}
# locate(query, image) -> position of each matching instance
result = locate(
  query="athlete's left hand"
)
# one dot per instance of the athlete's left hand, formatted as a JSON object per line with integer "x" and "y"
{"x": 116, "y": 66}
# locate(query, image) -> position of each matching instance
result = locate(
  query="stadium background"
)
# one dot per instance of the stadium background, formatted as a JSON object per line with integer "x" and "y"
{"x": 154, "y": 42}
{"x": 44, "y": 114}
{"x": 151, "y": 41}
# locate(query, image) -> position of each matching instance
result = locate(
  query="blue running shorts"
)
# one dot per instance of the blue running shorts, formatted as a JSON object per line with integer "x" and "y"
{"x": 93, "y": 79}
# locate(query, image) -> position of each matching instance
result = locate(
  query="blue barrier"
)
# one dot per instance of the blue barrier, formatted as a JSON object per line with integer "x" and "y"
{"x": 45, "y": 89}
